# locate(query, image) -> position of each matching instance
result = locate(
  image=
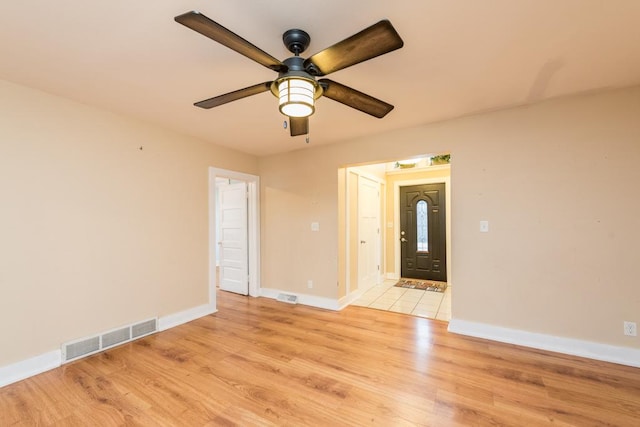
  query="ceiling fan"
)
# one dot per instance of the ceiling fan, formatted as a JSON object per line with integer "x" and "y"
{"x": 297, "y": 86}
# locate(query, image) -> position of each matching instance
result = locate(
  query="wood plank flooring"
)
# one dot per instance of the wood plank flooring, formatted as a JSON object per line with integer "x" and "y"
{"x": 262, "y": 362}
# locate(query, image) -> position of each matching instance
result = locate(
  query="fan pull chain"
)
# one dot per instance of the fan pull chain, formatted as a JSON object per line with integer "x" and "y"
{"x": 285, "y": 124}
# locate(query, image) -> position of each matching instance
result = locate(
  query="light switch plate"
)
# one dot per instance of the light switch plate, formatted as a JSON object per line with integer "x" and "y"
{"x": 484, "y": 226}
{"x": 315, "y": 226}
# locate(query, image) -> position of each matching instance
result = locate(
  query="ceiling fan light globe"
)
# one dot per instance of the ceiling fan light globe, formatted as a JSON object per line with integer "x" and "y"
{"x": 296, "y": 110}
{"x": 296, "y": 97}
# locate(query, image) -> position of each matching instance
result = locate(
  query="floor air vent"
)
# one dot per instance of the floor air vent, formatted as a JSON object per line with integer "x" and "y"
{"x": 87, "y": 346}
{"x": 289, "y": 298}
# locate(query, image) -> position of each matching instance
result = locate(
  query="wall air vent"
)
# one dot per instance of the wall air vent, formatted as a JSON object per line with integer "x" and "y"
{"x": 288, "y": 298}
{"x": 144, "y": 328}
{"x": 80, "y": 348}
{"x": 87, "y": 346}
{"x": 116, "y": 337}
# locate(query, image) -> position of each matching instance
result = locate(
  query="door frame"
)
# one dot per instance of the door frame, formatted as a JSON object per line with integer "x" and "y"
{"x": 396, "y": 220}
{"x": 253, "y": 228}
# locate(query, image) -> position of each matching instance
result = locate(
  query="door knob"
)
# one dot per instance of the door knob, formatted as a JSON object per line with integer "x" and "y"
{"x": 363, "y": 241}
{"x": 402, "y": 239}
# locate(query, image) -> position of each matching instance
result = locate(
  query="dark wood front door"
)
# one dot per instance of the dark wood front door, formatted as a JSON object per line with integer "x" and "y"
{"x": 423, "y": 232}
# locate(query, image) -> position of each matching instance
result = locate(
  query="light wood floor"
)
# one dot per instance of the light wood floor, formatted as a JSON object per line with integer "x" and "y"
{"x": 261, "y": 362}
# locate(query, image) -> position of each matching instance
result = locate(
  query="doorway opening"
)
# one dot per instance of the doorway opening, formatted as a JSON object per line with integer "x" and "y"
{"x": 431, "y": 255}
{"x": 234, "y": 232}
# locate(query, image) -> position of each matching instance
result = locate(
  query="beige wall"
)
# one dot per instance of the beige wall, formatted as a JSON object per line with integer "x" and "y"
{"x": 299, "y": 188}
{"x": 557, "y": 181}
{"x": 96, "y": 233}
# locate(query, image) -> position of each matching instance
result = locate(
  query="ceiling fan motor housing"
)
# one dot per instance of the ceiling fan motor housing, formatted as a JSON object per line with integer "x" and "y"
{"x": 297, "y": 41}
{"x": 295, "y": 68}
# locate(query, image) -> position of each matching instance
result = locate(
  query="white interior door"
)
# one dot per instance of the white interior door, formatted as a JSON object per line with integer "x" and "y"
{"x": 232, "y": 241}
{"x": 368, "y": 232}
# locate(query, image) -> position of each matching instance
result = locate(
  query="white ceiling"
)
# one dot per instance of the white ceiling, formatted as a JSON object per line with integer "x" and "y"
{"x": 459, "y": 57}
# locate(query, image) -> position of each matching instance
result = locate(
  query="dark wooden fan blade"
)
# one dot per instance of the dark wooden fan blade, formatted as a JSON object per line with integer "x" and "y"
{"x": 205, "y": 26}
{"x": 374, "y": 41}
{"x": 233, "y": 96}
{"x": 355, "y": 99}
{"x": 299, "y": 125}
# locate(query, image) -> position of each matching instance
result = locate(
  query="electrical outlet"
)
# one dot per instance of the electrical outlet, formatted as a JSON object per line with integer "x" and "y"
{"x": 310, "y": 284}
{"x": 630, "y": 329}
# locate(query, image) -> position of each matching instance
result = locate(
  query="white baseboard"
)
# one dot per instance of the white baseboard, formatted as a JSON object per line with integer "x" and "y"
{"x": 177, "y": 319}
{"x": 393, "y": 276}
{"x": 591, "y": 350}
{"x": 36, "y": 365}
{"x": 305, "y": 299}
{"x": 29, "y": 367}
{"x": 315, "y": 301}
{"x": 348, "y": 299}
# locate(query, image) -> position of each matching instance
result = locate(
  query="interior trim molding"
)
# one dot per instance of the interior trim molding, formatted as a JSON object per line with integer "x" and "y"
{"x": 177, "y": 319}
{"x": 29, "y": 367}
{"x": 24, "y": 369}
{"x": 351, "y": 298}
{"x": 588, "y": 349}
{"x": 304, "y": 299}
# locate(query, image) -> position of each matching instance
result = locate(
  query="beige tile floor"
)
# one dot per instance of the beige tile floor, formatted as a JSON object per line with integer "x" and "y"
{"x": 433, "y": 305}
